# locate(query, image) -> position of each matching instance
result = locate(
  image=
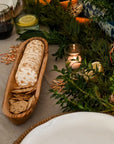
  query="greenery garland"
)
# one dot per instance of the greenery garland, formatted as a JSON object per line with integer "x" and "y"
{"x": 77, "y": 93}
{"x": 63, "y": 28}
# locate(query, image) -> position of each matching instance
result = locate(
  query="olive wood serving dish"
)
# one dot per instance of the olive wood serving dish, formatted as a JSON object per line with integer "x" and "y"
{"x": 22, "y": 117}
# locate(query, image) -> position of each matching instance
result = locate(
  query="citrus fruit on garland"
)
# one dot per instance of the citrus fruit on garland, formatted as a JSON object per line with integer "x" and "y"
{"x": 44, "y": 2}
{"x": 65, "y": 3}
{"x": 27, "y": 20}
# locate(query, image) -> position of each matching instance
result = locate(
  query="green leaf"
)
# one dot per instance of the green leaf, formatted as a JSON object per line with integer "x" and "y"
{"x": 55, "y": 67}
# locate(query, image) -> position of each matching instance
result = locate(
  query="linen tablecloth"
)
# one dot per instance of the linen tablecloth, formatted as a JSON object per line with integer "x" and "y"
{"x": 46, "y": 106}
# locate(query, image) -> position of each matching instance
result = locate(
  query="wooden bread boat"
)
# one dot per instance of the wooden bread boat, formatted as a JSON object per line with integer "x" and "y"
{"x": 22, "y": 117}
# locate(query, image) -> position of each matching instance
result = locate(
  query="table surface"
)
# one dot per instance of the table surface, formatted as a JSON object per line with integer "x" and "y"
{"x": 46, "y": 106}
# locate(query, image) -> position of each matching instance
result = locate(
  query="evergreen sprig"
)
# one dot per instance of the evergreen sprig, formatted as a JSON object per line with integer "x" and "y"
{"x": 88, "y": 36}
{"x": 79, "y": 94}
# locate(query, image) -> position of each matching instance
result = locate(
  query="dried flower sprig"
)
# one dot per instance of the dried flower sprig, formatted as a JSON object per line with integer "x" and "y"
{"x": 9, "y": 57}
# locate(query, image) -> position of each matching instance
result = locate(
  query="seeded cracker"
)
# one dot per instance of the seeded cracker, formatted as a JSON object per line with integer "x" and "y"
{"x": 24, "y": 90}
{"x": 30, "y": 63}
{"x": 31, "y": 102}
{"x": 18, "y": 107}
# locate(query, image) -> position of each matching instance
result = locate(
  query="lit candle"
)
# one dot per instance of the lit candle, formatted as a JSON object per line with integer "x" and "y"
{"x": 73, "y": 57}
{"x": 74, "y": 61}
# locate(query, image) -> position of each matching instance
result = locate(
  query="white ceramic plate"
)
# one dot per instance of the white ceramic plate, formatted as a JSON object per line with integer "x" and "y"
{"x": 74, "y": 128}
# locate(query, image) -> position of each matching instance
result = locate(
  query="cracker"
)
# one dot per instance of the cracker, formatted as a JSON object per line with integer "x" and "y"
{"x": 37, "y": 43}
{"x": 24, "y": 90}
{"x": 34, "y": 49}
{"x": 11, "y": 101}
{"x": 29, "y": 58}
{"x": 30, "y": 63}
{"x": 18, "y": 107}
{"x": 21, "y": 97}
{"x": 26, "y": 77}
{"x": 31, "y": 91}
{"x": 18, "y": 87}
{"x": 17, "y": 98}
{"x": 31, "y": 102}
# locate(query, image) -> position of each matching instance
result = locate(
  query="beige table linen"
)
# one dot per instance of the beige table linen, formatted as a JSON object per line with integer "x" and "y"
{"x": 46, "y": 106}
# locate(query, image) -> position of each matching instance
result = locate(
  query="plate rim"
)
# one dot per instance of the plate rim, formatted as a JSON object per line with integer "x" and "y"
{"x": 23, "y": 135}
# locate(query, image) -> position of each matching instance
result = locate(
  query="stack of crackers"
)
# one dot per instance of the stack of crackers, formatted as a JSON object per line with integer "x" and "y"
{"x": 26, "y": 77}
